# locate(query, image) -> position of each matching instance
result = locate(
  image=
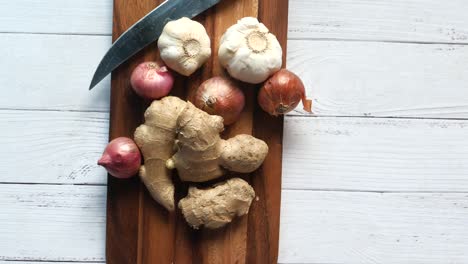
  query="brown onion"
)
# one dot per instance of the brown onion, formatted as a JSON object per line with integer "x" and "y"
{"x": 282, "y": 93}
{"x": 220, "y": 96}
{"x": 151, "y": 80}
{"x": 121, "y": 158}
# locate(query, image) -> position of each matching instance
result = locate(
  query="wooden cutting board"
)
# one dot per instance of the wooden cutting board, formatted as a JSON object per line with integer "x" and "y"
{"x": 139, "y": 230}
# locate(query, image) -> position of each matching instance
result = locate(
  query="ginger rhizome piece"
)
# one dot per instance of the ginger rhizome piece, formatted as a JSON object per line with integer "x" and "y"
{"x": 217, "y": 206}
{"x": 202, "y": 152}
{"x": 177, "y": 135}
{"x": 155, "y": 138}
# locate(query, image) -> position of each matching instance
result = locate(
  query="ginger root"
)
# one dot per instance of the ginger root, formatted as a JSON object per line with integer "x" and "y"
{"x": 201, "y": 151}
{"x": 217, "y": 206}
{"x": 177, "y": 135}
{"x": 155, "y": 138}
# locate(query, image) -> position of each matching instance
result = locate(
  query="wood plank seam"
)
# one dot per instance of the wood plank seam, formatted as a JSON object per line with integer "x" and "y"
{"x": 381, "y": 41}
{"x": 299, "y": 114}
{"x": 55, "y": 33}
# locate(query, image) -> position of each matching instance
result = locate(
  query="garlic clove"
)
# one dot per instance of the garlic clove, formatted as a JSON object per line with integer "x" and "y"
{"x": 184, "y": 45}
{"x": 249, "y": 52}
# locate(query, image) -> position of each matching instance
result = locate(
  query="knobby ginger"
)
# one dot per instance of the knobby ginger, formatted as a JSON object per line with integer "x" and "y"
{"x": 217, "y": 206}
{"x": 155, "y": 138}
{"x": 178, "y": 135}
{"x": 202, "y": 152}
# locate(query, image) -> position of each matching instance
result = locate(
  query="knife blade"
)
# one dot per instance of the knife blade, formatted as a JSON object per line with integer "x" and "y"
{"x": 145, "y": 31}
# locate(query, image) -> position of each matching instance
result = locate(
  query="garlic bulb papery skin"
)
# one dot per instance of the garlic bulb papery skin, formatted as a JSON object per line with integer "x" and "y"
{"x": 184, "y": 45}
{"x": 249, "y": 52}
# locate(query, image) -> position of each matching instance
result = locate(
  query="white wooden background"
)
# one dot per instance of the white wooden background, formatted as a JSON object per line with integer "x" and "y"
{"x": 378, "y": 175}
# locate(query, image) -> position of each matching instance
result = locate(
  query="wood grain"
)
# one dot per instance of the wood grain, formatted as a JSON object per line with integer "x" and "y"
{"x": 435, "y": 71}
{"x": 47, "y": 262}
{"x": 229, "y": 244}
{"x": 146, "y": 225}
{"x": 52, "y": 72}
{"x": 382, "y": 79}
{"x": 130, "y": 211}
{"x": 319, "y": 153}
{"x": 375, "y": 154}
{"x": 430, "y": 81}
{"x": 317, "y": 227}
{"x": 387, "y": 20}
{"x": 63, "y": 223}
{"x": 52, "y": 223}
{"x": 52, "y": 147}
{"x": 384, "y": 20}
{"x": 88, "y": 17}
{"x": 263, "y": 229}
{"x": 365, "y": 228}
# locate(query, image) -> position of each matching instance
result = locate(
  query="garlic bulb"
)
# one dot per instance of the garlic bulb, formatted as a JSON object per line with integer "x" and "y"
{"x": 249, "y": 52}
{"x": 184, "y": 45}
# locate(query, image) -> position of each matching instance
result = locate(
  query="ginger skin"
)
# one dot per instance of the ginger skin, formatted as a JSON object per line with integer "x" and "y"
{"x": 155, "y": 138}
{"x": 198, "y": 148}
{"x": 215, "y": 207}
{"x": 177, "y": 135}
{"x": 202, "y": 152}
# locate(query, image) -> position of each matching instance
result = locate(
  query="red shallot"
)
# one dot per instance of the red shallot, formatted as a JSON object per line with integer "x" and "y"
{"x": 151, "y": 80}
{"x": 121, "y": 158}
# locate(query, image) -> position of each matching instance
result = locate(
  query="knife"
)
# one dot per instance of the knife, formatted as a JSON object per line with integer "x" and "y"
{"x": 145, "y": 31}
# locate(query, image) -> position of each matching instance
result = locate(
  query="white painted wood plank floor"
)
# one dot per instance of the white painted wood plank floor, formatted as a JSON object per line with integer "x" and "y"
{"x": 379, "y": 174}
